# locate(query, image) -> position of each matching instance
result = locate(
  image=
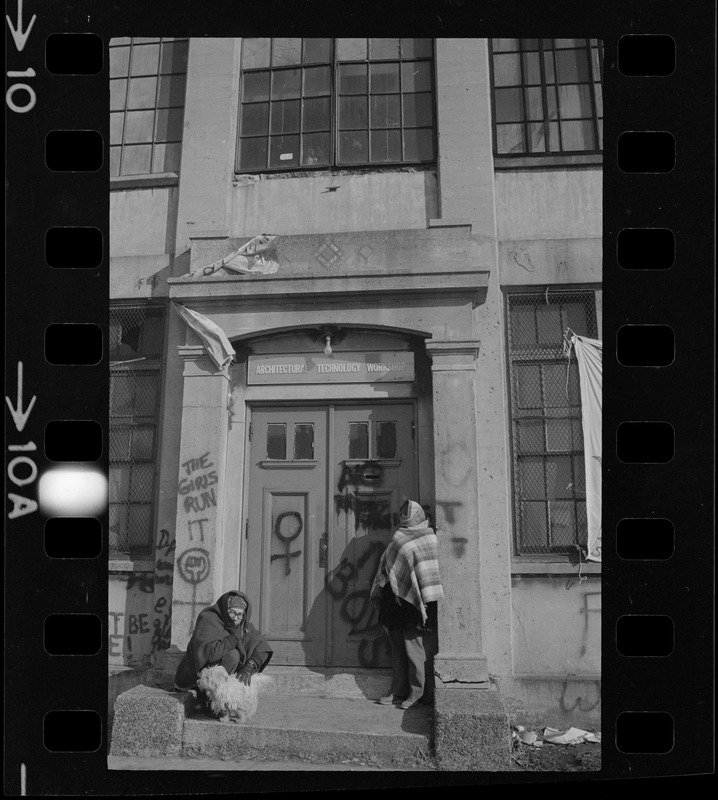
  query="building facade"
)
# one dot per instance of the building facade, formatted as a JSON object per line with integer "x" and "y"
{"x": 431, "y": 222}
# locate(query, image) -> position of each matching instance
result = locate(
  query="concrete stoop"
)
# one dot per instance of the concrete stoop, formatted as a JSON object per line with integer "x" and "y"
{"x": 151, "y": 722}
{"x": 355, "y": 684}
{"x": 326, "y": 729}
{"x": 122, "y": 678}
{"x": 320, "y": 717}
{"x": 471, "y": 730}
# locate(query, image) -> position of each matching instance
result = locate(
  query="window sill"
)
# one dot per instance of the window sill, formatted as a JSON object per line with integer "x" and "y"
{"x": 128, "y": 565}
{"x": 553, "y": 568}
{"x": 144, "y": 181}
{"x": 548, "y": 162}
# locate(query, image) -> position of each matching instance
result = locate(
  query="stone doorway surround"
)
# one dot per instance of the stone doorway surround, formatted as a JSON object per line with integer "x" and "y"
{"x": 425, "y": 283}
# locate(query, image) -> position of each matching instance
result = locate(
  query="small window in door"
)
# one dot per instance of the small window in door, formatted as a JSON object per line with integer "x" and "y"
{"x": 358, "y": 440}
{"x": 385, "y": 439}
{"x": 277, "y": 441}
{"x": 304, "y": 441}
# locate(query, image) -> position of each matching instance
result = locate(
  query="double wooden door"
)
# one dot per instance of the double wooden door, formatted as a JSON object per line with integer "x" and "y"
{"x": 325, "y": 487}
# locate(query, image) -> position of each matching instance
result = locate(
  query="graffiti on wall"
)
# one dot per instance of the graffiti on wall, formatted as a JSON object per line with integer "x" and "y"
{"x": 291, "y": 524}
{"x": 356, "y": 608}
{"x": 128, "y": 632}
{"x": 140, "y": 613}
{"x": 569, "y": 701}
{"x": 164, "y": 574}
{"x": 198, "y": 493}
{"x": 197, "y": 479}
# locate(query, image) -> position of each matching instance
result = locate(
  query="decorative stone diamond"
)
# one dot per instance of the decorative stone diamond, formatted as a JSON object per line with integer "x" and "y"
{"x": 289, "y": 256}
{"x": 328, "y": 254}
{"x": 365, "y": 252}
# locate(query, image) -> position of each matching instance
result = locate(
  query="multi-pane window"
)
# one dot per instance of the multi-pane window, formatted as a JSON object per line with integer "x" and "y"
{"x": 147, "y": 94}
{"x": 547, "y": 96}
{"x": 302, "y": 446}
{"x": 548, "y": 456}
{"x": 362, "y": 446}
{"x": 136, "y": 334}
{"x": 335, "y": 102}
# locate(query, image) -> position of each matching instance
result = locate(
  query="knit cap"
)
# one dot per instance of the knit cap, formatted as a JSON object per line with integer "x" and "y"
{"x": 235, "y": 601}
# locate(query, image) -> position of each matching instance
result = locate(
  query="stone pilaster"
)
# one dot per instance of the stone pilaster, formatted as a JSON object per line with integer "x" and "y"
{"x": 197, "y": 571}
{"x": 460, "y": 661}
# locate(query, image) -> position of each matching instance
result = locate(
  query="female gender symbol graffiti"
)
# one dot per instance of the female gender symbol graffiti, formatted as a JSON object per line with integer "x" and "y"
{"x": 294, "y": 527}
{"x": 193, "y": 565}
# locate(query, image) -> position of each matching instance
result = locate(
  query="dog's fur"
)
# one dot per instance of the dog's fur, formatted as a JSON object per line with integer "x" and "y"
{"x": 228, "y": 696}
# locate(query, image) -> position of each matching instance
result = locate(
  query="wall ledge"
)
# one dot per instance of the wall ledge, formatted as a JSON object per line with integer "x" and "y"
{"x": 144, "y": 181}
{"x": 544, "y": 568}
{"x": 127, "y": 565}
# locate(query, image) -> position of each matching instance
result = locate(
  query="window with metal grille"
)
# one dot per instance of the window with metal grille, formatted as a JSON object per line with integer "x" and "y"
{"x": 335, "y": 102}
{"x": 147, "y": 92}
{"x": 548, "y": 458}
{"x": 136, "y": 334}
{"x": 547, "y": 96}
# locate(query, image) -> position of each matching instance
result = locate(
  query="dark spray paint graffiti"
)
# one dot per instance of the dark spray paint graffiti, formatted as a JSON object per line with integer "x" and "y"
{"x": 197, "y": 492}
{"x": 193, "y": 566}
{"x": 164, "y": 575}
{"x": 291, "y": 524}
{"x": 579, "y": 702}
{"x": 196, "y": 482}
{"x": 356, "y": 607}
{"x": 370, "y": 513}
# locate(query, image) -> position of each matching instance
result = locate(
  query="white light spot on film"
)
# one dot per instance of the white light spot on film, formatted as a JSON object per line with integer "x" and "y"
{"x": 73, "y": 491}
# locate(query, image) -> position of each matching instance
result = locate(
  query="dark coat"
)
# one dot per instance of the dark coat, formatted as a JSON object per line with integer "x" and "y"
{"x": 215, "y": 634}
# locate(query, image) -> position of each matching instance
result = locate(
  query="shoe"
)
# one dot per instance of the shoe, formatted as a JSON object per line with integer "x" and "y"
{"x": 389, "y": 700}
{"x": 409, "y": 703}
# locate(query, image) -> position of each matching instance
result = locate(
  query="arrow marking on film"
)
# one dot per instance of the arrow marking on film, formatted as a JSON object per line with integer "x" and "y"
{"x": 19, "y": 416}
{"x": 20, "y": 36}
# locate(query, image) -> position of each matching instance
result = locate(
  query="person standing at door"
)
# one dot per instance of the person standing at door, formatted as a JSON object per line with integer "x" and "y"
{"x": 223, "y": 635}
{"x": 406, "y": 589}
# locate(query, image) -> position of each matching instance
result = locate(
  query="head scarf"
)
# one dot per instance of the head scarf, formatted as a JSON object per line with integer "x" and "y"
{"x": 410, "y": 563}
{"x": 412, "y": 516}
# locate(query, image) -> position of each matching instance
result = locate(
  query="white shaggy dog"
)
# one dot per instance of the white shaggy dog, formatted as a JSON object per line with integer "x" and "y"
{"x": 229, "y": 697}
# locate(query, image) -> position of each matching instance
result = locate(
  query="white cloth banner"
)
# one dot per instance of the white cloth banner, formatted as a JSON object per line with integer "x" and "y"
{"x": 219, "y": 348}
{"x": 589, "y": 353}
{"x": 258, "y": 255}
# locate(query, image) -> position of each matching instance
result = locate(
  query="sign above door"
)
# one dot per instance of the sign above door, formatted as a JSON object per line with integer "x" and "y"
{"x": 350, "y": 367}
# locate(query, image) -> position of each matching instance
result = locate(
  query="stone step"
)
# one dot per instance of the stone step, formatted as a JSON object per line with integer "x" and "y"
{"x": 357, "y": 684}
{"x": 315, "y": 729}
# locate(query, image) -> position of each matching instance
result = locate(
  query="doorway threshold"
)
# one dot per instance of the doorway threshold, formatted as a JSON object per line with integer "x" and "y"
{"x": 347, "y": 682}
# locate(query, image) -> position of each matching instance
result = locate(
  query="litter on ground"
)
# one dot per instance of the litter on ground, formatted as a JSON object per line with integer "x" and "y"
{"x": 570, "y": 736}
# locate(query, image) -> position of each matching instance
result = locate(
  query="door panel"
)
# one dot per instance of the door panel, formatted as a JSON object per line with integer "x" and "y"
{"x": 373, "y": 457}
{"x": 287, "y": 519}
{"x": 326, "y": 486}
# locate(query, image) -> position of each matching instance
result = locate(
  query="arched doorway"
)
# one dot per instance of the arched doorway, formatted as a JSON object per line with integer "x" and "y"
{"x": 331, "y": 453}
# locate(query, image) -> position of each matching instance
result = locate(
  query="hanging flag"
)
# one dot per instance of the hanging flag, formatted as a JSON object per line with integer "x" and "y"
{"x": 258, "y": 255}
{"x": 589, "y": 353}
{"x": 219, "y": 348}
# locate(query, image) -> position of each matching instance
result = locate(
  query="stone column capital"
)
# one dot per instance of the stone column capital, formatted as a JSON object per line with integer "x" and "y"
{"x": 452, "y": 355}
{"x": 198, "y": 363}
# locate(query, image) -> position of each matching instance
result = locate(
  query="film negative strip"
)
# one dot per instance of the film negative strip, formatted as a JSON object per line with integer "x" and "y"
{"x": 80, "y": 487}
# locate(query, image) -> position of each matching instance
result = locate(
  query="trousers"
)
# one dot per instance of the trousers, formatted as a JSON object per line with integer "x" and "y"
{"x": 411, "y": 655}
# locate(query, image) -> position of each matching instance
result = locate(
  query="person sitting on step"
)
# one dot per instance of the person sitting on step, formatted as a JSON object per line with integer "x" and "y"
{"x": 224, "y": 645}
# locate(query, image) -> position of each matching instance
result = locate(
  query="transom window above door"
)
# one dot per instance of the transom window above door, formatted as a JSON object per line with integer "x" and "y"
{"x": 312, "y": 103}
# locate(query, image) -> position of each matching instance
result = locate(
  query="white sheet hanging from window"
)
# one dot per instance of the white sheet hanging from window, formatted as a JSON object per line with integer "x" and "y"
{"x": 589, "y": 353}
{"x": 219, "y": 348}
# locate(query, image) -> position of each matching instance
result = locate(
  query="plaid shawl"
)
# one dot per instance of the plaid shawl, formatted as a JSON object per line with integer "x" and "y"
{"x": 410, "y": 565}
